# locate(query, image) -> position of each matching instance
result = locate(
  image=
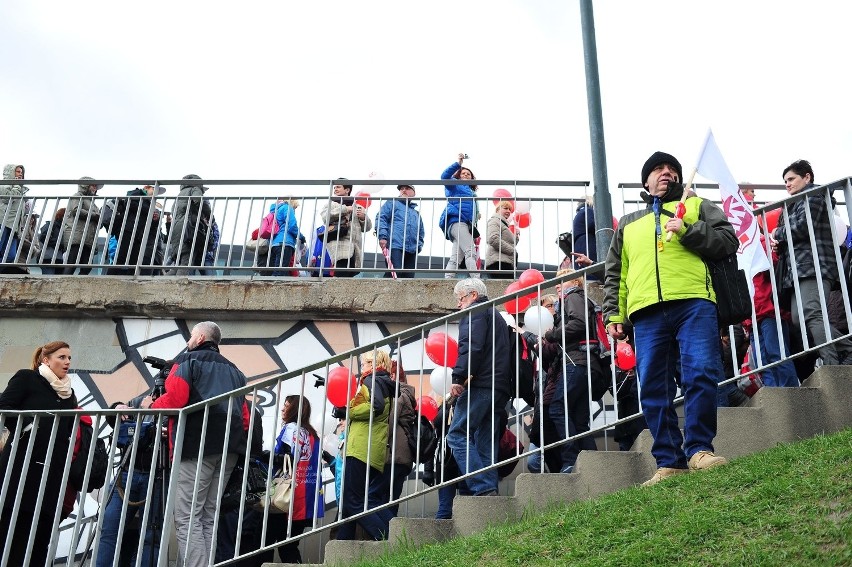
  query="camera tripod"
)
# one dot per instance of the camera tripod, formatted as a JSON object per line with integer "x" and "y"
{"x": 128, "y": 494}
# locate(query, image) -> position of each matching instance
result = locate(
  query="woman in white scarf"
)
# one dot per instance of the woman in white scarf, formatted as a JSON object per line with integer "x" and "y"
{"x": 45, "y": 386}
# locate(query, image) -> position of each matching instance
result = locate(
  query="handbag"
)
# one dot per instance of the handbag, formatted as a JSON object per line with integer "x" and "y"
{"x": 255, "y": 485}
{"x": 733, "y": 300}
{"x": 277, "y": 499}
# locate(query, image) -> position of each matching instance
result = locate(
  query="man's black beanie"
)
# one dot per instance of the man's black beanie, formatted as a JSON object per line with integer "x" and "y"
{"x": 657, "y": 159}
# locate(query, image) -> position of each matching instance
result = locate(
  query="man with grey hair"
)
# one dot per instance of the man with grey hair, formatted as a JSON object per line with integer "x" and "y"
{"x": 481, "y": 387}
{"x": 199, "y": 374}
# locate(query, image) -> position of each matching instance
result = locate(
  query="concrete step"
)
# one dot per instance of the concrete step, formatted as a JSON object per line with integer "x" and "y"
{"x": 420, "y": 531}
{"x": 340, "y": 552}
{"x": 835, "y": 384}
{"x": 472, "y": 514}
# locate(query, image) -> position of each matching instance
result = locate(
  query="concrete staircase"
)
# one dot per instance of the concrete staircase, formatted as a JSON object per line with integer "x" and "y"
{"x": 773, "y": 415}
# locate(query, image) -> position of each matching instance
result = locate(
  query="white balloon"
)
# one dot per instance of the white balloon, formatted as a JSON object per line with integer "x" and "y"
{"x": 840, "y": 229}
{"x": 440, "y": 379}
{"x": 510, "y": 320}
{"x": 522, "y": 207}
{"x": 538, "y": 320}
{"x": 371, "y": 189}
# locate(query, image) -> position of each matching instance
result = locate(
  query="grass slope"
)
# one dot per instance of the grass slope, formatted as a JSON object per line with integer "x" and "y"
{"x": 791, "y": 505}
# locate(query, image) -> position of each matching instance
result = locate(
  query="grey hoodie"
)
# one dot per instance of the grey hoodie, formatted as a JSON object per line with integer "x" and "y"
{"x": 82, "y": 218}
{"x": 12, "y": 203}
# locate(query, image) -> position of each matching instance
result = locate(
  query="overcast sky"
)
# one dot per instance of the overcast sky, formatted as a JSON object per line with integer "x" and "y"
{"x": 318, "y": 90}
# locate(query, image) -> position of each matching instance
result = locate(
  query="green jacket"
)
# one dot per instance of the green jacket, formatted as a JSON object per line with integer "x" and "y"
{"x": 359, "y": 433}
{"x": 639, "y": 275}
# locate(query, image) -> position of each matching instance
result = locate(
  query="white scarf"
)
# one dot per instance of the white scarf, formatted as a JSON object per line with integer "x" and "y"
{"x": 61, "y": 386}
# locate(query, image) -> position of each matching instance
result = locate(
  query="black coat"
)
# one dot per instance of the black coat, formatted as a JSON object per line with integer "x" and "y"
{"x": 28, "y": 390}
{"x": 484, "y": 351}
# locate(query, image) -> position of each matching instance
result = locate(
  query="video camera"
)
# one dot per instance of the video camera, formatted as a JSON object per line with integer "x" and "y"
{"x": 164, "y": 367}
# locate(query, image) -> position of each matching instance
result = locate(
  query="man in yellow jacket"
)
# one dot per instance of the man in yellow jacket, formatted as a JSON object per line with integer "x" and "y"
{"x": 664, "y": 289}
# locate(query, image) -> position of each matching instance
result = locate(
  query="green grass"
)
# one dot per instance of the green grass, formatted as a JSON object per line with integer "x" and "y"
{"x": 791, "y": 505}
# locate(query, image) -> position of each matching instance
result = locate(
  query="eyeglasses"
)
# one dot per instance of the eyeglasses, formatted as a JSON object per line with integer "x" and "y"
{"x": 459, "y": 299}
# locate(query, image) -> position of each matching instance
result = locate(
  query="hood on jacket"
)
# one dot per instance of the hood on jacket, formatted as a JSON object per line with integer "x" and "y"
{"x": 84, "y": 187}
{"x": 9, "y": 170}
{"x": 193, "y": 176}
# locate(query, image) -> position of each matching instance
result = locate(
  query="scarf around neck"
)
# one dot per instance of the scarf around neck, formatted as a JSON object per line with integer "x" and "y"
{"x": 61, "y": 387}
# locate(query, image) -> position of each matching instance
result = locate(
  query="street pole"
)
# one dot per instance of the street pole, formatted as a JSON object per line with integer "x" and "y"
{"x": 602, "y": 202}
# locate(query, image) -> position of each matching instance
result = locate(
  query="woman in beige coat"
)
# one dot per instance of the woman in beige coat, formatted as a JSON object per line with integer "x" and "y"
{"x": 501, "y": 254}
{"x": 345, "y": 224}
{"x": 80, "y": 227}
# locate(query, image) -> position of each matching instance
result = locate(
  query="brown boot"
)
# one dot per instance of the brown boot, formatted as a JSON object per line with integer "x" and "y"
{"x": 662, "y": 474}
{"x": 703, "y": 460}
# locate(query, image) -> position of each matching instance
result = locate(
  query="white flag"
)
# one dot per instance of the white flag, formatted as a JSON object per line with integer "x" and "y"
{"x": 711, "y": 165}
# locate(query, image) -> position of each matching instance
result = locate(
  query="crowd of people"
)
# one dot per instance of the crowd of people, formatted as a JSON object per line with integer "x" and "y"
{"x": 657, "y": 295}
{"x": 133, "y": 234}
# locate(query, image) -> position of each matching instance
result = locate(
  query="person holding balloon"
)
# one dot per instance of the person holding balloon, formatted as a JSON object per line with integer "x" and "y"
{"x": 458, "y": 220}
{"x": 366, "y": 445}
{"x": 482, "y": 385}
{"x": 501, "y": 255}
{"x": 345, "y": 223}
{"x": 566, "y": 392}
{"x": 400, "y": 460}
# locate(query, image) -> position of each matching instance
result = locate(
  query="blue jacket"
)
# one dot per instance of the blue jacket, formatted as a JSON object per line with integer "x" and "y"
{"x": 400, "y": 224}
{"x": 457, "y": 210}
{"x": 288, "y": 230}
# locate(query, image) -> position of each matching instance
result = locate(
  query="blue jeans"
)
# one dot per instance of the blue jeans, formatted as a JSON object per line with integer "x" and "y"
{"x": 112, "y": 518}
{"x": 576, "y": 386}
{"x": 11, "y": 243}
{"x": 472, "y": 438}
{"x": 390, "y": 479}
{"x": 354, "y": 483}
{"x": 402, "y": 260}
{"x": 691, "y": 328}
{"x": 783, "y": 375}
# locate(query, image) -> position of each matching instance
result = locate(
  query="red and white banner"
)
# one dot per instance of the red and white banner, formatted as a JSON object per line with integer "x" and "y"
{"x": 711, "y": 165}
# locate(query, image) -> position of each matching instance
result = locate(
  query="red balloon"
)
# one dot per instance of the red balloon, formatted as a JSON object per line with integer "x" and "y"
{"x": 502, "y": 195}
{"x": 513, "y": 229}
{"x": 340, "y": 386}
{"x": 771, "y": 220}
{"x": 625, "y": 358}
{"x": 530, "y": 277}
{"x": 428, "y": 407}
{"x": 522, "y": 220}
{"x": 518, "y": 305}
{"x": 365, "y": 200}
{"x": 442, "y": 350}
{"x": 614, "y": 223}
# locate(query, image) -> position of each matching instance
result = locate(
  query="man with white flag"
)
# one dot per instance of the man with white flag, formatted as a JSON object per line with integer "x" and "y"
{"x": 660, "y": 285}
{"x": 751, "y": 256}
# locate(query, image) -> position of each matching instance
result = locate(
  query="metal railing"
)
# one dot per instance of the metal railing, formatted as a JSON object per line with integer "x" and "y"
{"x": 377, "y": 429}
{"x": 215, "y": 235}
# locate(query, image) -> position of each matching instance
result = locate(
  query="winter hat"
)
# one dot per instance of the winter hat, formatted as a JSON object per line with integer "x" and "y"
{"x": 193, "y": 176}
{"x": 659, "y": 158}
{"x": 85, "y": 186}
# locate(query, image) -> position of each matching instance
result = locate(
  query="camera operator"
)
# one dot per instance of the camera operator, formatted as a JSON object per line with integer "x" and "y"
{"x": 199, "y": 374}
{"x": 131, "y": 484}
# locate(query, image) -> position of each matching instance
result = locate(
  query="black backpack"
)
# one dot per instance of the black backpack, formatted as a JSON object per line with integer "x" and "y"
{"x": 99, "y": 465}
{"x": 523, "y": 366}
{"x": 422, "y": 440}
